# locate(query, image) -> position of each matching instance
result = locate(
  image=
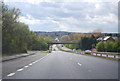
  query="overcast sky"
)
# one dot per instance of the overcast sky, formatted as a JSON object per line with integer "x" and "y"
{"x": 68, "y": 15}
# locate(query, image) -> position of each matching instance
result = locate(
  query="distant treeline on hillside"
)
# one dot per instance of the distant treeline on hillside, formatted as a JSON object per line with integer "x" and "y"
{"x": 59, "y": 34}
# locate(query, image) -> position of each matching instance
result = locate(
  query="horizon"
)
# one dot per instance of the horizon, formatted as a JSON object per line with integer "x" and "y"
{"x": 79, "y": 32}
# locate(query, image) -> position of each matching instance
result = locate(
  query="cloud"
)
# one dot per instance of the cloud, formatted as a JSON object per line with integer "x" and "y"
{"x": 102, "y": 19}
{"x": 82, "y": 16}
{"x": 29, "y": 19}
{"x": 38, "y": 1}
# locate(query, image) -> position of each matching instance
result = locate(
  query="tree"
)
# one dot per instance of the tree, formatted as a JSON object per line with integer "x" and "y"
{"x": 100, "y": 47}
{"x": 109, "y": 46}
{"x": 9, "y": 17}
{"x": 16, "y": 36}
{"x": 87, "y": 42}
{"x": 116, "y": 46}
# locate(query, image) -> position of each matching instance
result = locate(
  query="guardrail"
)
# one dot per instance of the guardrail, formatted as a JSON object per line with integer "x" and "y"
{"x": 104, "y": 54}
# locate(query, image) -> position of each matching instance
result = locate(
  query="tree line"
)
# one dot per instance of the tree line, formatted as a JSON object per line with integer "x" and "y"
{"x": 16, "y": 36}
{"x": 85, "y": 43}
{"x": 108, "y": 46}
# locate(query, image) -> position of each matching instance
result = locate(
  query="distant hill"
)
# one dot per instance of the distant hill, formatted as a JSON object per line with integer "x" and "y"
{"x": 59, "y": 34}
{"x": 53, "y": 34}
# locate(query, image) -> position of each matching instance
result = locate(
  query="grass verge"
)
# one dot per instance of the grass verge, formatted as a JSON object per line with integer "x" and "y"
{"x": 39, "y": 51}
{"x": 89, "y": 54}
{"x": 102, "y": 57}
{"x": 11, "y": 54}
{"x": 23, "y": 53}
{"x": 64, "y": 50}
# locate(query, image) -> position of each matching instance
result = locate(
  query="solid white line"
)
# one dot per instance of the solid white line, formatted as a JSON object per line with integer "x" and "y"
{"x": 79, "y": 64}
{"x": 20, "y": 69}
{"x": 11, "y": 74}
{"x": 0, "y": 79}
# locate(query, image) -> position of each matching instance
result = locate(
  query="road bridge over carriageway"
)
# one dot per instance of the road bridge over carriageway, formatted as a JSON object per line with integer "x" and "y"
{"x": 51, "y": 43}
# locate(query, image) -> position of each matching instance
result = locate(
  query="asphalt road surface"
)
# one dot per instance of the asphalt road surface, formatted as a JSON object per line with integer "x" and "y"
{"x": 63, "y": 65}
{"x": 15, "y": 64}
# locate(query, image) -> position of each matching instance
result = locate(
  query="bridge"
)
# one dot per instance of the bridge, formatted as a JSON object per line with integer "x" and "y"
{"x": 61, "y": 43}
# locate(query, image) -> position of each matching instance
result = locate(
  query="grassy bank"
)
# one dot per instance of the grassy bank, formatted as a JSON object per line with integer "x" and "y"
{"x": 102, "y": 57}
{"x": 11, "y": 54}
{"x": 64, "y": 50}
{"x": 88, "y": 54}
{"x": 39, "y": 51}
{"x": 23, "y": 53}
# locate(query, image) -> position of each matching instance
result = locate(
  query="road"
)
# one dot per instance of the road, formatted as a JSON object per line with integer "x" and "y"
{"x": 64, "y": 48}
{"x": 13, "y": 65}
{"x": 64, "y": 65}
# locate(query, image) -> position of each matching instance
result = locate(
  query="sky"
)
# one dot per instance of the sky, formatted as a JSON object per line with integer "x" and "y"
{"x": 68, "y": 15}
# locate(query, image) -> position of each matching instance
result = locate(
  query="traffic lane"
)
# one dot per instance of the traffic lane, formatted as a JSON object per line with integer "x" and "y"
{"x": 54, "y": 48}
{"x": 51, "y": 67}
{"x": 96, "y": 67}
{"x": 58, "y": 65}
{"x": 102, "y": 68}
{"x": 65, "y": 48}
{"x": 12, "y": 65}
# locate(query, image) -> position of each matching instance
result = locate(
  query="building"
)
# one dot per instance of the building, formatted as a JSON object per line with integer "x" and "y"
{"x": 107, "y": 38}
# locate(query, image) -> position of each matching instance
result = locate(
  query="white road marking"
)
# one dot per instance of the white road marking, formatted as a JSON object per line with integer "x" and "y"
{"x": 0, "y": 79}
{"x": 11, "y": 74}
{"x": 79, "y": 64}
{"x": 30, "y": 64}
{"x": 20, "y": 69}
{"x": 34, "y": 62}
{"x": 40, "y": 59}
{"x": 25, "y": 66}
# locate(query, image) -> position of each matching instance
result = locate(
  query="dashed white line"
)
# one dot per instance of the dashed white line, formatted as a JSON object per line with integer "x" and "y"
{"x": 20, "y": 69}
{"x": 34, "y": 62}
{"x": 41, "y": 58}
{"x": 30, "y": 64}
{"x": 79, "y": 64}
{"x": 38, "y": 60}
{"x": 25, "y": 66}
{"x": 11, "y": 74}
